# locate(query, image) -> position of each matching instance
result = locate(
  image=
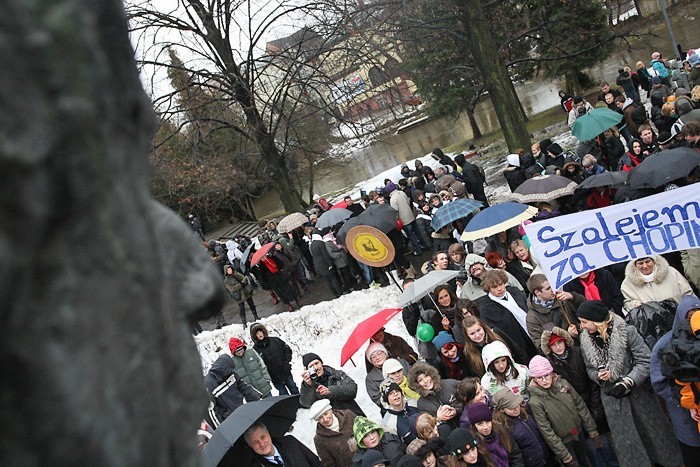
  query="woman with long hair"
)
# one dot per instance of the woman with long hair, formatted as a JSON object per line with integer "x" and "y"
{"x": 478, "y": 335}
{"x": 467, "y": 451}
{"x": 469, "y": 391}
{"x": 504, "y": 451}
{"x": 448, "y": 308}
{"x": 617, "y": 359}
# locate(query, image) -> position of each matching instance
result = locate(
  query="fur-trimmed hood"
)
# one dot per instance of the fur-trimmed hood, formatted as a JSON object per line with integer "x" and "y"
{"x": 546, "y": 334}
{"x": 632, "y": 273}
{"x": 254, "y": 328}
{"x": 421, "y": 368}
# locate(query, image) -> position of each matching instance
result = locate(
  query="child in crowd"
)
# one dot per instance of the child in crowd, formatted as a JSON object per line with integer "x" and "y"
{"x": 467, "y": 451}
{"x": 500, "y": 444}
{"x": 502, "y": 371}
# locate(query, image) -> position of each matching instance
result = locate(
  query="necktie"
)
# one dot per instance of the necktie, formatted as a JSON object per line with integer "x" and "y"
{"x": 279, "y": 460}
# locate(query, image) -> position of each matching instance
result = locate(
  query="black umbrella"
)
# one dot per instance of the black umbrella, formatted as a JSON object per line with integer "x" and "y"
{"x": 604, "y": 179}
{"x": 343, "y": 232}
{"x": 663, "y": 167}
{"x": 379, "y": 216}
{"x": 227, "y": 445}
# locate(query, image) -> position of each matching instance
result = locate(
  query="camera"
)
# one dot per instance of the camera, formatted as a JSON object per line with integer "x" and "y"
{"x": 312, "y": 372}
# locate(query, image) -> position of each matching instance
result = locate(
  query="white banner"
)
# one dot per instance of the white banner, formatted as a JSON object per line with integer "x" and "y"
{"x": 567, "y": 246}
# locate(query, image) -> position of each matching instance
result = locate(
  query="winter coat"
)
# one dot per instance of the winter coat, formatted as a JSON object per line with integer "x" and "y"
{"x": 332, "y": 446}
{"x": 518, "y": 385}
{"x": 323, "y": 263}
{"x": 636, "y": 420}
{"x": 338, "y": 256}
{"x": 236, "y": 283}
{"x": 572, "y": 368}
{"x": 691, "y": 265}
{"x": 474, "y": 181}
{"x": 276, "y": 354}
{"x": 389, "y": 444}
{"x": 375, "y": 377}
{"x": 278, "y": 281}
{"x": 450, "y": 183}
{"x": 668, "y": 283}
{"x": 399, "y": 201}
{"x": 607, "y": 286}
{"x": 294, "y": 454}
{"x": 443, "y": 392}
{"x": 530, "y": 441}
{"x": 684, "y": 427}
{"x": 343, "y": 390}
{"x": 539, "y": 316}
{"x": 680, "y": 361}
{"x": 499, "y": 455}
{"x": 251, "y": 367}
{"x": 472, "y": 289}
{"x": 455, "y": 370}
{"x": 398, "y": 423}
{"x": 399, "y": 348}
{"x": 560, "y": 414}
{"x": 628, "y": 161}
{"x": 497, "y": 316}
{"x": 514, "y": 176}
{"x": 614, "y": 149}
{"x": 226, "y": 390}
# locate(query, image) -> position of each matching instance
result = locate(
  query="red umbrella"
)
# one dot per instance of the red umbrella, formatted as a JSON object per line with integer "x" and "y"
{"x": 364, "y": 330}
{"x": 341, "y": 204}
{"x": 258, "y": 255}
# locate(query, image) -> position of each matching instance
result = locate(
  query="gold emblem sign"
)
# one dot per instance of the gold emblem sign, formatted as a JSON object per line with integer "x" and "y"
{"x": 370, "y": 246}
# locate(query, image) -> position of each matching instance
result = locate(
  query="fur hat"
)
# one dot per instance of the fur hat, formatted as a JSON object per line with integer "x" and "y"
{"x": 506, "y": 399}
{"x": 593, "y": 310}
{"x": 308, "y": 358}
{"x": 479, "y": 412}
{"x": 441, "y": 339}
{"x": 540, "y": 366}
{"x": 318, "y": 408}
{"x": 373, "y": 347}
{"x": 390, "y": 366}
{"x": 461, "y": 442}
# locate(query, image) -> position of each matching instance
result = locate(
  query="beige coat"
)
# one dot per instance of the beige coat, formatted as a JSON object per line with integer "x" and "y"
{"x": 691, "y": 265}
{"x": 399, "y": 201}
{"x": 668, "y": 283}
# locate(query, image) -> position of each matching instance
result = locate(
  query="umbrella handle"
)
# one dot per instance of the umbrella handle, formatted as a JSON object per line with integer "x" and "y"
{"x": 436, "y": 305}
{"x": 565, "y": 310}
{"x": 353, "y": 362}
{"x": 393, "y": 279}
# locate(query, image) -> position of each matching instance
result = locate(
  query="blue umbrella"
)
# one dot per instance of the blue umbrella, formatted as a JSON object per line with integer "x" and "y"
{"x": 497, "y": 218}
{"x": 454, "y": 210}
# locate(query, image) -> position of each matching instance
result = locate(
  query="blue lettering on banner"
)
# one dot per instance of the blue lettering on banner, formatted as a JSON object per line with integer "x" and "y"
{"x": 568, "y": 246}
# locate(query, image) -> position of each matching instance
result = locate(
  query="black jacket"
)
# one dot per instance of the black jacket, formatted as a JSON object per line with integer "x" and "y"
{"x": 276, "y": 354}
{"x": 498, "y": 316}
{"x": 226, "y": 390}
{"x": 608, "y": 288}
{"x": 322, "y": 259}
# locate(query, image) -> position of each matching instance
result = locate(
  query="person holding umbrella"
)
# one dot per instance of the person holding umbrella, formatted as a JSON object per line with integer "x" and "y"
{"x": 287, "y": 451}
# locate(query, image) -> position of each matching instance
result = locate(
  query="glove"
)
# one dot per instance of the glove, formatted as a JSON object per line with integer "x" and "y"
{"x": 621, "y": 388}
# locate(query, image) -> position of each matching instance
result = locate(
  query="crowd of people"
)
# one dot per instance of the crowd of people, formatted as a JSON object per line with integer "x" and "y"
{"x": 504, "y": 370}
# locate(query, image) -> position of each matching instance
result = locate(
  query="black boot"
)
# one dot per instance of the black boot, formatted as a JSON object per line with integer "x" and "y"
{"x": 255, "y": 313}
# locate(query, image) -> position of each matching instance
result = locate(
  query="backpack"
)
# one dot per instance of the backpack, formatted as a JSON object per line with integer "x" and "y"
{"x": 653, "y": 320}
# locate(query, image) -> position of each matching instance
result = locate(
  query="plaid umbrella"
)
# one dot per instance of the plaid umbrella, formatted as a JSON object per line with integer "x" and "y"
{"x": 454, "y": 210}
{"x": 291, "y": 222}
{"x": 544, "y": 188}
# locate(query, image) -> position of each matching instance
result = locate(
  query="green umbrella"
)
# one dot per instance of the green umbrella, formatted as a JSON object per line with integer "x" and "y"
{"x": 595, "y": 122}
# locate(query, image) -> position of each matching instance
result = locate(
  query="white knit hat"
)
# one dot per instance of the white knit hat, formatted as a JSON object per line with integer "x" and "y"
{"x": 318, "y": 408}
{"x": 390, "y": 366}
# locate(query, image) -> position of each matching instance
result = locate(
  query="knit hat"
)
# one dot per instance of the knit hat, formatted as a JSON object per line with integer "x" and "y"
{"x": 545, "y": 143}
{"x": 318, "y": 408}
{"x": 235, "y": 343}
{"x": 409, "y": 460}
{"x": 540, "y": 366}
{"x": 695, "y": 323}
{"x": 387, "y": 388}
{"x": 373, "y": 347}
{"x": 655, "y": 80}
{"x": 308, "y": 358}
{"x": 506, "y": 399}
{"x": 442, "y": 338}
{"x": 479, "y": 412}
{"x": 555, "y": 149}
{"x": 461, "y": 442}
{"x": 373, "y": 457}
{"x": 389, "y": 187}
{"x": 593, "y": 310}
{"x": 391, "y": 365}
{"x": 554, "y": 338}
{"x": 665, "y": 137}
{"x": 362, "y": 426}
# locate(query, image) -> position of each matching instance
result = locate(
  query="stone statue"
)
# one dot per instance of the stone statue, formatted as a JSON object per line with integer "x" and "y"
{"x": 99, "y": 285}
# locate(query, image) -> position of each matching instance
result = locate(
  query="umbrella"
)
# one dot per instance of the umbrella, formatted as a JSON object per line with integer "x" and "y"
{"x": 364, "y": 330}
{"x": 227, "y": 445}
{"x": 663, "y": 167}
{"x": 379, "y": 216}
{"x": 497, "y": 218}
{"x": 258, "y": 255}
{"x": 543, "y": 188}
{"x": 604, "y": 179}
{"x": 291, "y": 222}
{"x": 426, "y": 284}
{"x": 595, "y": 122}
{"x": 454, "y": 210}
{"x": 332, "y": 217}
{"x": 343, "y": 232}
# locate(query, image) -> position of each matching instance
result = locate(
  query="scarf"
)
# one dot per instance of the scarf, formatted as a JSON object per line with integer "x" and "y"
{"x": 499, "y": 455}
{"x": 335, "y": 425}
{"x": 648, "y": 277}
{"x": 590, "y": 290}
{"x": 543, "y": 303}
{"x": 563, "y": 357}
{"x": 508, "y": 302}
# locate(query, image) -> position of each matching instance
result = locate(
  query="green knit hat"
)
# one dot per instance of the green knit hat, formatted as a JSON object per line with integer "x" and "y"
{"x": 362, "y": 426}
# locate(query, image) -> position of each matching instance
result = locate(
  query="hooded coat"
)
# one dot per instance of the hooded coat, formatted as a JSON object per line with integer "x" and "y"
{"x": 276, "y": 354}
{"x": 442, "y": 393}
{"x": 667, "y": 283}
{"x": 399, "y": 201}
{"x": 494, "y": 351}
{"x": 398, "y": 422}
{"x": 236, "y": 283}
{"x": 375, "y": 377}
{"x": 684, "y": 427}
{"x": 472, "y": 289}
{"x": 389, "y": 445}
{"x": 637, "y": 424}
{"x": 250, "y": 367}
{"x": 532, "y": 445}
{"x": 332, "y": 446}
{"x": 226, "y": 390}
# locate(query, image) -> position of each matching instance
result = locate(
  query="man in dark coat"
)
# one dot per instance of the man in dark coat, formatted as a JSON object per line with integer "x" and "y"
{"x": 323, "y": 263}
{"x": 277, "y": 357}
{"x": 226, "y": 390}
{"x": 602, "y": 283}
{"x": 325, "y": 382}
{"x": 287, "y": 451}
{"x": 473, "y": 179}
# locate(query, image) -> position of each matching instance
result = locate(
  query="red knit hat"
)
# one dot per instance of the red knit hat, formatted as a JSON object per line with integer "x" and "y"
{"x": 234, "y": 343}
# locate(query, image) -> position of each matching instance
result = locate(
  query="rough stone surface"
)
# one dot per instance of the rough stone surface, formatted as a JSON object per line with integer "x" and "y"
{"x": 98, "y": 284}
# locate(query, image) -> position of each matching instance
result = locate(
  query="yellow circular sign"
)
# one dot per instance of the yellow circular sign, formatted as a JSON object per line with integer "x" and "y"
{"x": 370, "y": 246}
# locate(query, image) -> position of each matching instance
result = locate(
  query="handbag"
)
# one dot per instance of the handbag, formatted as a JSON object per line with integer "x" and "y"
{"x": 235, "y": 295}
{"x": 247, "y": 286}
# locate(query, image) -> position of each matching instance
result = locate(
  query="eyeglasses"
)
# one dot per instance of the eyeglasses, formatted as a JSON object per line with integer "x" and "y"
{"x": 542, "y": 378}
